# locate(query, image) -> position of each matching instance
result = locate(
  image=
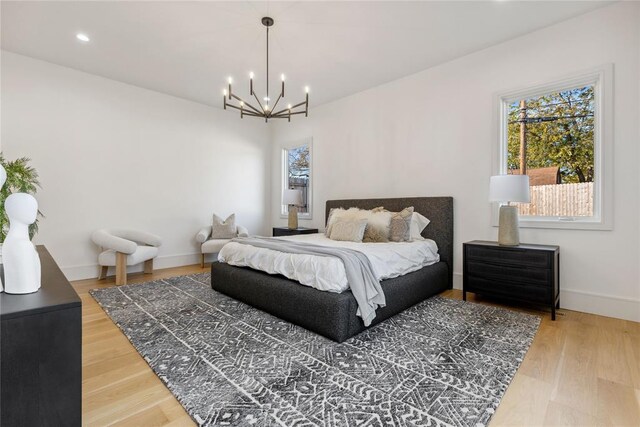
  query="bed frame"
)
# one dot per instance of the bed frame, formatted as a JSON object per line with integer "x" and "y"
{"x": 334, "y": 315}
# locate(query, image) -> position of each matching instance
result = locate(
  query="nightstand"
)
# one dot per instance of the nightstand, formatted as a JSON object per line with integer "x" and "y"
{"x": 523, "y": 273}
{"x": 286, "y": 231}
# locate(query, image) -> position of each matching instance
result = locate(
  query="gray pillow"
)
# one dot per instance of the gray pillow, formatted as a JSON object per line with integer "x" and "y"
{"x": 224, "y": 229}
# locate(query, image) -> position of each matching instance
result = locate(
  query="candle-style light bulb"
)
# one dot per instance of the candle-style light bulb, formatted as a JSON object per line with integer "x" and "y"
{"x": 251, "y": 83}
{"x": 306, "y": 89}
{"x": 289, "y": 106}
{"x": 282, "y": 88}
{"x": 251, "y": 74}
{"x": 224, "y": 92}
{"x": 230, "y": 80}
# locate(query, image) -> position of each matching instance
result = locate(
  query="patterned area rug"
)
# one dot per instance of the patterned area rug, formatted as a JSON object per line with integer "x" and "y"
{"x": 442, "y": 362}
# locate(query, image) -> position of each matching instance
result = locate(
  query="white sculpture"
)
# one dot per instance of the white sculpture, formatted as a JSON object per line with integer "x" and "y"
{"x": 3, "y": 176}
{"x": 3, "y": 179}
{"x": 21, "y": 261}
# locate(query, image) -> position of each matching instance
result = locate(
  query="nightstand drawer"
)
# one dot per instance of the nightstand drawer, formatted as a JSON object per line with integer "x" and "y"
{"x": 517, "y": 257}
{"x": 535, "y": 276}
{"x": 525, "y": 273}
{"x": 514, "y": 291}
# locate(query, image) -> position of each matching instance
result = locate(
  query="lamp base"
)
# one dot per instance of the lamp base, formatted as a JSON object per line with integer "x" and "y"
{"x": 508, "y": 233}
{"x": 293, "y": 217}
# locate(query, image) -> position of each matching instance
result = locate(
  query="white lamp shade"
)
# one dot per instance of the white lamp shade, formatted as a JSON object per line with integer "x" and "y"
{"x": 292, "y": 197}
{"x": 509, "y": 188}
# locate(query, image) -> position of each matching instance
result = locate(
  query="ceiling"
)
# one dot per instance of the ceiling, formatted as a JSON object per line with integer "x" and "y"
{"x": 188, "y": 49}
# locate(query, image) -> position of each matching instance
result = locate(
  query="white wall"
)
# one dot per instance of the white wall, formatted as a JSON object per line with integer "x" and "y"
{"x": 114, "y": 155}
{"x": 432, "y": 134}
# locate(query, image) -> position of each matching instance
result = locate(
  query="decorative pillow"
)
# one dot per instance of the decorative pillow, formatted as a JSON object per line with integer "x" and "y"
{"x": 377, "y": 230}
{"x": 224, "y": 229}
{"x": 340, "y": 213}
{"x": 331, "y": 220}
{"x": 418, "y": 223}
{"x": 400, "y": 225}
{"x": 349, "y": 230}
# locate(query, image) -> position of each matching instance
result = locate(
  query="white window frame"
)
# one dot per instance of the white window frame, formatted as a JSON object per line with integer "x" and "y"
{"x": 284, "y": 182}
{"x": 602, "y": 79}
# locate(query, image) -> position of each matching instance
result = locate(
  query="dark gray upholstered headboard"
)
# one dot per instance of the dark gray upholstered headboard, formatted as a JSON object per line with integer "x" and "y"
{"x": 439, "y": 210}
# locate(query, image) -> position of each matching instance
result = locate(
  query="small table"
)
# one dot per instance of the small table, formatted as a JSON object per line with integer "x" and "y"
{"x": 523, "y": 273}
{"x": 286, "y": 231}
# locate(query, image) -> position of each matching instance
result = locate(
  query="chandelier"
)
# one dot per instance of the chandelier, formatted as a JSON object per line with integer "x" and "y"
{"x": 268, "y": 110}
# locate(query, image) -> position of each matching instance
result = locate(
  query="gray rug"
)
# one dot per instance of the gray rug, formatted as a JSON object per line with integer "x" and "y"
{"x": 442, "y": 362}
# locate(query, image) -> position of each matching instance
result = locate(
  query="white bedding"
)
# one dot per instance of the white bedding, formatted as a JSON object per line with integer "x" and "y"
{"x": 327, "y": 273}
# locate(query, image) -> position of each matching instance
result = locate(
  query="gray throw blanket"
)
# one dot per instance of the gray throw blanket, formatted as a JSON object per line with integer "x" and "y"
{"x": 363, "y": 282}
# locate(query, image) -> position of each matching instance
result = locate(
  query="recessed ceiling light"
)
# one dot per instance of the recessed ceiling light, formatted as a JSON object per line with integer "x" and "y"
{"x": 83, "y": 37}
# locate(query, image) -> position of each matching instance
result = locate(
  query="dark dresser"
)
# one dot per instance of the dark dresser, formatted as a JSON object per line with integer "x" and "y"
{"x": 285, "y": 231}
{"x": 41, "y": 353}
{"x": 523, "y": 273}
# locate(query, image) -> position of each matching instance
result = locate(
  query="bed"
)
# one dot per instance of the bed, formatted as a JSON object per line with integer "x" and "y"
{"x": 333, "y": 315}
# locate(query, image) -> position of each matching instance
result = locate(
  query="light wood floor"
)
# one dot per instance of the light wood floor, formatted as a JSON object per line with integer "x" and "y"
{"x": 581, "y": 370}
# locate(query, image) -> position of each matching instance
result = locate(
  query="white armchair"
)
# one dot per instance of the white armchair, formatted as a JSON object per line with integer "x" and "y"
{"x": 121, "y": 248}
{"x": 213, "y": 246}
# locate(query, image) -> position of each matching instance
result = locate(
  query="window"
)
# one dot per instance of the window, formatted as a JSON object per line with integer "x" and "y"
{"x": 558, "y": 135}
{"x": 296, "y": 175}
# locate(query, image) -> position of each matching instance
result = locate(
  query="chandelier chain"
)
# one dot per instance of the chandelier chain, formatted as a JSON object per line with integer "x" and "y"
{"x": 268, "y": 110}
{"x": 267, "y": 65}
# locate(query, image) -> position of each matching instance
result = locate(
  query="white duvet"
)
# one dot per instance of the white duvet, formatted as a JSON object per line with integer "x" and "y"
{"x": 327, "y": 273}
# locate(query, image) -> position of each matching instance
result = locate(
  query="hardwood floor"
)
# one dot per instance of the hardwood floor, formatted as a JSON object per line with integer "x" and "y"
{"x": 581, "y": 370}
{"x": 118, "y": 387}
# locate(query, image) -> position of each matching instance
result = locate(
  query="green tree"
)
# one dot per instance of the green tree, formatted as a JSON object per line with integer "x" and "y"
{"x": 298, "y": 161}
{"x": 559, "y": 133}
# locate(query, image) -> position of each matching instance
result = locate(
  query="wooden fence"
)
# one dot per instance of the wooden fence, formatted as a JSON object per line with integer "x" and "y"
{"x": 560, "y": 200}
{"x": 301, "y": 183}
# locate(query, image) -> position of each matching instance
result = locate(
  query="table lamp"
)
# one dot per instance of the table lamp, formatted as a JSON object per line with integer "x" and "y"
{"x": 509, "y": 188}
{"x": 293, "y": 199}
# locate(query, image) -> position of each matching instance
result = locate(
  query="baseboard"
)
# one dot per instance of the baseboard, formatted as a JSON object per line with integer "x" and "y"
{"x": 457, "y": 281}
{"x": 90, "y": 271}
{"x": 603, "y": 305}
{"x": 589, "y": 302}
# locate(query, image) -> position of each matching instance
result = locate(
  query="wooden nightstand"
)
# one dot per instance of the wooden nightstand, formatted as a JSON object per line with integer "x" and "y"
{"x": 524, "y": 273}
{"x": 285, "y": 231}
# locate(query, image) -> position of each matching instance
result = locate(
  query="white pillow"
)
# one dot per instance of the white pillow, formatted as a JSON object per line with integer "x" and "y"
{"x": 418, "y": 223}
{"x": 348, "y": 230}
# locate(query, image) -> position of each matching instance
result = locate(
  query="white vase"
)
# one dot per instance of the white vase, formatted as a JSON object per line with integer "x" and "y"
{"x": 21, "y": 261}
{"x": 3, "y": 179}
{"x": 1, "y": 270}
